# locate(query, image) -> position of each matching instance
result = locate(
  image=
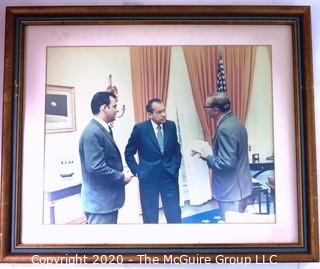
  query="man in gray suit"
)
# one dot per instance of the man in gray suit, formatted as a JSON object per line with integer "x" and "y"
{"x": 102, "y": 191}
{"x": 231, "y": 175}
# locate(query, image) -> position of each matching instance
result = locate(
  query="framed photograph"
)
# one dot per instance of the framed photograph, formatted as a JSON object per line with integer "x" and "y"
{"x": 268, "y": 78}
{"x": 60, "y": 111}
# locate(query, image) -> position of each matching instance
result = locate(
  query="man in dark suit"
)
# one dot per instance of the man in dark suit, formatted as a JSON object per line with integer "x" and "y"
{"x": 231, "y": 175}
{"x": 159, "y": 154}
{"x": 102, "y": 191}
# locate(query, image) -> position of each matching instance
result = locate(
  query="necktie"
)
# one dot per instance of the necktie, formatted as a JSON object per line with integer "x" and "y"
{"x": 110, "y": 131}
{"x": 160, "y": 138}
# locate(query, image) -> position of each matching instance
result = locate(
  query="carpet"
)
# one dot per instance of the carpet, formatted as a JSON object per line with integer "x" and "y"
{"x": 211, "y": 216}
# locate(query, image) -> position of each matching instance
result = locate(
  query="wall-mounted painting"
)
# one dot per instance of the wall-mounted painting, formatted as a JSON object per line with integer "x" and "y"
{"x": 60, "y": 110}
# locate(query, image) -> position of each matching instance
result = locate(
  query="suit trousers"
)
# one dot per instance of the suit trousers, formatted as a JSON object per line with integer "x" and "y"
{"x": 168, "y": 187}
{"x": 107, "y": 218}
{"x": 235, "y": 206}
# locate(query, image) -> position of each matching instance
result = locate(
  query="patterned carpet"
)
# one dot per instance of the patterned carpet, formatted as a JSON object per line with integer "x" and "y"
{"x": 211, "y": 216}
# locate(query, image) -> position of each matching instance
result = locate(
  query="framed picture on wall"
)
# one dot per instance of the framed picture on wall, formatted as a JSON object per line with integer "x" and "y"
{"x": 286, "y": 45}
{"x": 60, "y": 109}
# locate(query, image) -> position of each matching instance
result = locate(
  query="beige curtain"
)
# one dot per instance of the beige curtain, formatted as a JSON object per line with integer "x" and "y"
{"x": 201, "y": 65}
{"x": 150, "y": 75}
{"x": 239, "y": 62}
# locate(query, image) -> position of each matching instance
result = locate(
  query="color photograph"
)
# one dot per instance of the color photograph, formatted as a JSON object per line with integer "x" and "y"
{"x": 182, "y": 77}
{"x": 158, "y": 134}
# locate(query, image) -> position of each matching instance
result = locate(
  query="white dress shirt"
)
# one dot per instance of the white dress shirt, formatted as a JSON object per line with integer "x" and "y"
{"x": 222, "y": 117}
{"x": 103, "y": 123}
{"x": 155, "y": 127}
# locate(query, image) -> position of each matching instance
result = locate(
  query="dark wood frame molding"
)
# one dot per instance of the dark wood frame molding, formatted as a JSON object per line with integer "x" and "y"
{"x": 298, "y": 17}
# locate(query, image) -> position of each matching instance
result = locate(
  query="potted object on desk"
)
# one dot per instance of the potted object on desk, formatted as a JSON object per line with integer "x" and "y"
{"x": 66, "y": 168}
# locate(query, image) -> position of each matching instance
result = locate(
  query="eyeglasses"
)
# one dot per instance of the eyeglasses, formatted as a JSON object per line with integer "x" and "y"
{"x": 205, "y": 107}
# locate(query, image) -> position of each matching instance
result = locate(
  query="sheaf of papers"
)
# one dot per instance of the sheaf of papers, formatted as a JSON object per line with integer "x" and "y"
{"x": 198, "y": 146}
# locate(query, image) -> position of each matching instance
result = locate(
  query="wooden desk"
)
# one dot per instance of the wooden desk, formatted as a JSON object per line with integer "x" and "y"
{"x": 261, "y": 167}
{"x": 59, "y": 189}
{"x": 257, "y": 192}
{"x": 272, "y": 196}
{"x": 262, "y": 189}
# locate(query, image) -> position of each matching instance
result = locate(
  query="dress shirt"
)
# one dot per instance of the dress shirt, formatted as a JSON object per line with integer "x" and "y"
{"x": 155, "y": 127}
{"x": 103, "y": 123}
{"x": 222, "y": 117}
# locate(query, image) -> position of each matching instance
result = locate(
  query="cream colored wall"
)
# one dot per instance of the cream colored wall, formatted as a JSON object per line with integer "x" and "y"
{"x": 259, "y": 121}
{"x": 87, "y": 70}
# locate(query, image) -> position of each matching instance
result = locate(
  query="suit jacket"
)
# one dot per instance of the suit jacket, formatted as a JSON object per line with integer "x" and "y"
{"x": 103, "y": 181}
{"x": 151, "y": 161}
{"x": 231, "y": 175}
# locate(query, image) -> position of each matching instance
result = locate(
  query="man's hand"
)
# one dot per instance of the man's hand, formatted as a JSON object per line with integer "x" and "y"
{"x": 203, "y": 154}
{"x": 127, "y": 176}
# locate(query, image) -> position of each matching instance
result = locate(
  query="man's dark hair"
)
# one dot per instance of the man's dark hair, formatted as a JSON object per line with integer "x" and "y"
{"x": 221, "y": 101}
{"x": 149, "y": 105}
{"x": 99, "y": 99}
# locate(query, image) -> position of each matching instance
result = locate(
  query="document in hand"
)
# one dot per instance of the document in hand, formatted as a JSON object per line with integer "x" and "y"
{"x": 198, "y": 146}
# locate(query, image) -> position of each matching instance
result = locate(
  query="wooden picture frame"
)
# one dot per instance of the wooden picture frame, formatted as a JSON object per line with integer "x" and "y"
{"x": 60, "y": 109}
{"x": 18, "y": 19}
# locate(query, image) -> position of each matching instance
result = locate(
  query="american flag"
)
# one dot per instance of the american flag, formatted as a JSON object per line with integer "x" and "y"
{"x": 221, "y": 80}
